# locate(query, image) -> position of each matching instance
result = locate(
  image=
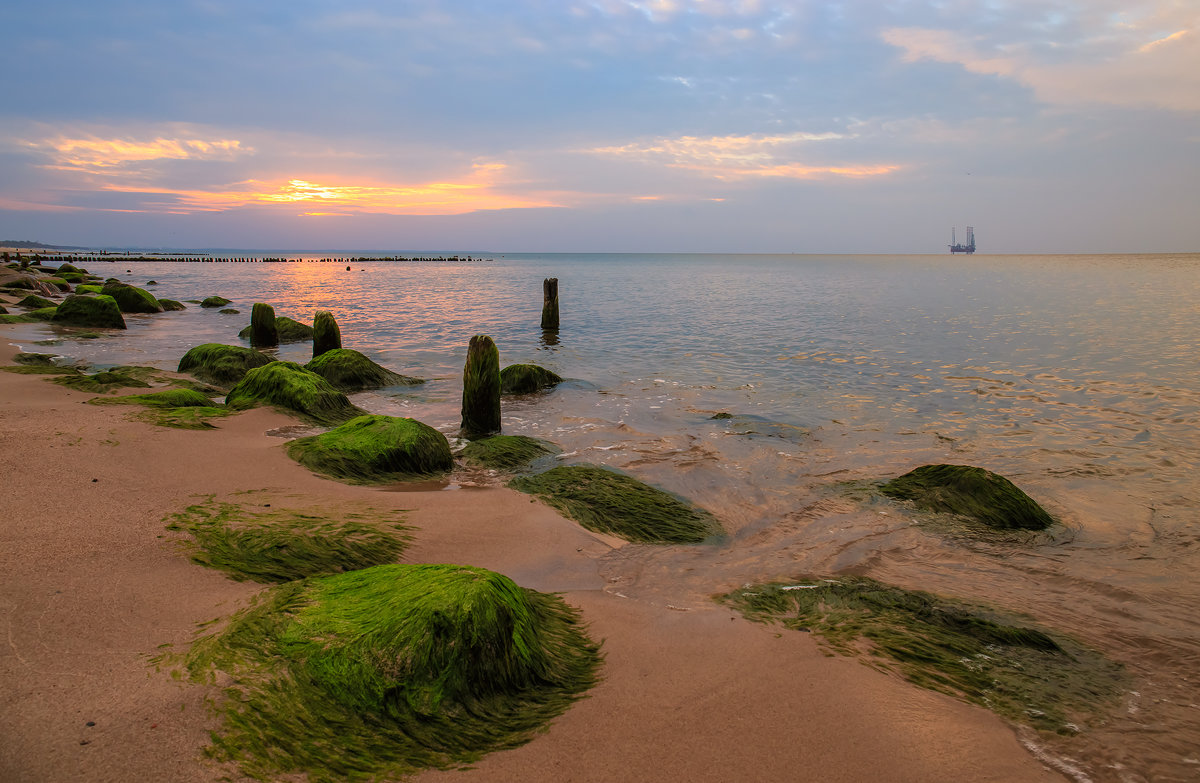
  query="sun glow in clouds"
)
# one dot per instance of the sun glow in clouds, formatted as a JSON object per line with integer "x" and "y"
{"x": 97, "y": 155}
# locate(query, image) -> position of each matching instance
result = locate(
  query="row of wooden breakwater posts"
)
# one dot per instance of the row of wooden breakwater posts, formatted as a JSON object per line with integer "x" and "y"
{"x": 113, "y": 258}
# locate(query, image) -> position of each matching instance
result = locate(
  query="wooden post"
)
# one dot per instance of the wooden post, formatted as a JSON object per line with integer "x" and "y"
{"x": 263, "y": 333}
{"x": 481, "y": 389}
{"x": 326, "y": 334}
{"x": 550, "y": 303}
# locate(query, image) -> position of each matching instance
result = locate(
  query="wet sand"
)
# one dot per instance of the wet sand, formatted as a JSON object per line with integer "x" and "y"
{"x": 91, "y": 586}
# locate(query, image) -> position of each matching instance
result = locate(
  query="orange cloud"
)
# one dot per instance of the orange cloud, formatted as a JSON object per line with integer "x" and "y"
{"x": 99, "y": 155}
{"x": 735, "y": 157}
{"x": 476, "y": 192}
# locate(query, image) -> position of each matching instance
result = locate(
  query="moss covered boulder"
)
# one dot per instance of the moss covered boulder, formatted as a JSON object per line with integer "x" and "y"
{"x": 223, "y": 365}
{"x": 97, "y": 312}
{"x": 610, "y": 502}
{"x": 327, "y": 336}
{"x": 289, "y": 386}
{"x": 214, "y": 301}
{"x": 90, "y": 289}
{"x": 168, "y": 305}
{"x": 132, "y": 299}
{"x": 971, "y": 492}
{"x": 287, "y": 330}
{"x": 71, "y": 268}
{"x": 377, "y": 673}
{"x": 506, "y": 452}
{"x": 35, "y": 302}
{"x": 43, "y": 313}
{"x": 373, "y": 449}
{"x": 350, "y": 370}
{"x": 526, "y": 379}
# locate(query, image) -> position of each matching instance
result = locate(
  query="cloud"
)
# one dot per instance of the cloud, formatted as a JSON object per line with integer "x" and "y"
{"x": 1130, "y": 71}
{"x": 738, "y": 157}
{"x": 98, "y": 155}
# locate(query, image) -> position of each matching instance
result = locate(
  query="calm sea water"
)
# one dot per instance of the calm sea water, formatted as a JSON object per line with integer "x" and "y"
{"x": 1078, "y": 377}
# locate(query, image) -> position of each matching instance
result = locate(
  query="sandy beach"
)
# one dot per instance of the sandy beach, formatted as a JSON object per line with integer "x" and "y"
{"x": 92, "y": 586}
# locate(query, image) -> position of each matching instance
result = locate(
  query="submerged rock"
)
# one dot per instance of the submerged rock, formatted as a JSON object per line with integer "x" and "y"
{"x": 526, "y": 379}
{"x": 350, "y": 370}
{"x": 132, "y": 299}
{"x": 223, "y": 365}
{"x": 375, "y": 449}
{"x": 287, "y": 330}
{"x": 288, "y": 385}
{"x": 100, "y": 312}
{"x": 214, "y": 301}
{"x": 610, "y": 502}
{"x": 167, "y": 304}
{"x": 506, "y": 452}
{"x": 971, "y": 492}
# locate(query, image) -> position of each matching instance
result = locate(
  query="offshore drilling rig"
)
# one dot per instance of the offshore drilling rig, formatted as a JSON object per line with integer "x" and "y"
{"x": 967, "y": 248}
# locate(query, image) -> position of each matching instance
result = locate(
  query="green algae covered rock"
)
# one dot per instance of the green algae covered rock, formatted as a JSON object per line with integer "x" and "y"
{"x": 169, "y": 398}
{"x": 287, "y": 330}
{"x": 380, "y": 672}
{"x": 132, "y": 299}
{"x": 506, "y": 452}
{"x": 610, "y": 502}
{"x": 102, "y": 382}
{"x": 57, "y": 282}
{"x": 289, "y": 386}
{"x": 35, "y": 302}
{"x": 214, "y": 301}
{"x": 36, "y": 359}
{"x": 178, "y": 408}
{"x": 94, "y": 312}
{"x": 481, "y": 389}
{"x": 326, "y": 334}
{"x": 167, "y": 304}
{"x": 71, "y": 268}
{"x": 350, "y": 370}
{"x": 526, "y": 379}
{"x": 91, "y": 289}
{"x": 977, "y": 653}
{"x": 43, "y": 314}
{"x": 223, "y": 365}
{"x": 971, "y": 492}
{"x": 373, "y": 449}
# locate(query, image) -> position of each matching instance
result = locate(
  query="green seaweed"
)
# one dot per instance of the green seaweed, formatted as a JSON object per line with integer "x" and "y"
{"x": 526, "y": 379}
{"x": 57, "y": 282}
{"x": 12, "y": 318}
{"x": 481, "y": 389}
{"x": 43, "y": 314}
{"x": 283, "y": 544}
{"x": 972, "y": 492}
{"x": 327, "y": 336}
{"x": 131, "y": 299}
{"x": 36, "y": 359}
{"x": 224, "y": 365}
{"x": 83, "y": 288}
{"x": 972, "y": 652}
{"x": 93, "y": 312}
{"x": 373, "y": 449}
{"x": 506, "y": 452}
{"x": 35, "y": 302}
{"x": 610, "y": 502}
{"x": 382, "y": 672}
{"x": 187, "y": 409}
{"x": 101, "y": 382}
{"x": 229, "y": 311}
{"x": 42, "y": 369}
{"x": 289, "y": 386}
{"x": 169, "y": 305}
{"x": 350, "y": 370}
{"x": 214, "y": 301}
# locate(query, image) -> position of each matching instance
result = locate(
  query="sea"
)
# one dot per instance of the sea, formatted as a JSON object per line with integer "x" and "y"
{"x": 1075, "y": 376}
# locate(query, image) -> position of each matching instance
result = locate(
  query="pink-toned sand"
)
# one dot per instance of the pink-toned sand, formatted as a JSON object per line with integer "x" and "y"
{"x": 91, "y": 585}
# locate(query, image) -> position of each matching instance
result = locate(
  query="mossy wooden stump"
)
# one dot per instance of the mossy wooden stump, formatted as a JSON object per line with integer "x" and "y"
{"x": 326, "y": 334}
{"x": 481, "y": 389}
{"x": 550, "y": 303}
{"x": 971, "y": 492}
{"x": 263, "y": 333}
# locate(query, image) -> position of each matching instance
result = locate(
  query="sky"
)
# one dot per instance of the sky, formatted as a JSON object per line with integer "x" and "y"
{"x": 603, "y": 126}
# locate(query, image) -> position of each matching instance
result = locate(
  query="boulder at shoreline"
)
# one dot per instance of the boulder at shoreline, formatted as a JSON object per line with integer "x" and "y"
{"x": 526, "y": 379}
{"x": 372, "y": 449}
{"x": 350, "y": 370}
{"x": 97, "y": 312}
{"x": 971, "y": 492}
{"x": 221, "y": 364}
{"x": 289, "y": 386}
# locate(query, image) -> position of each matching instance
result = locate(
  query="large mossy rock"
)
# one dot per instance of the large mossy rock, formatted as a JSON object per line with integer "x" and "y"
{"x": 98, "y": 312}
{"x": 350, "y": 370}
{"x": 132, "y": 299}
{"x": 35, "y": 302}
{"x": 327, "y": 336}
{"x": 379, "y": 672}
{"x": 214, "y": 301}
{"x": 223, "y": 365}
{"x": 506, "y": 452}
{"x": 289, "y": 386}
{"x": 610, "y": 502}
{"x": 971, "y": 492}
{"x": 526, "y": 379}
{"x": 92, "y": 289}
{"x": 374, "y": 449}
{"x": 287, "y": 330}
